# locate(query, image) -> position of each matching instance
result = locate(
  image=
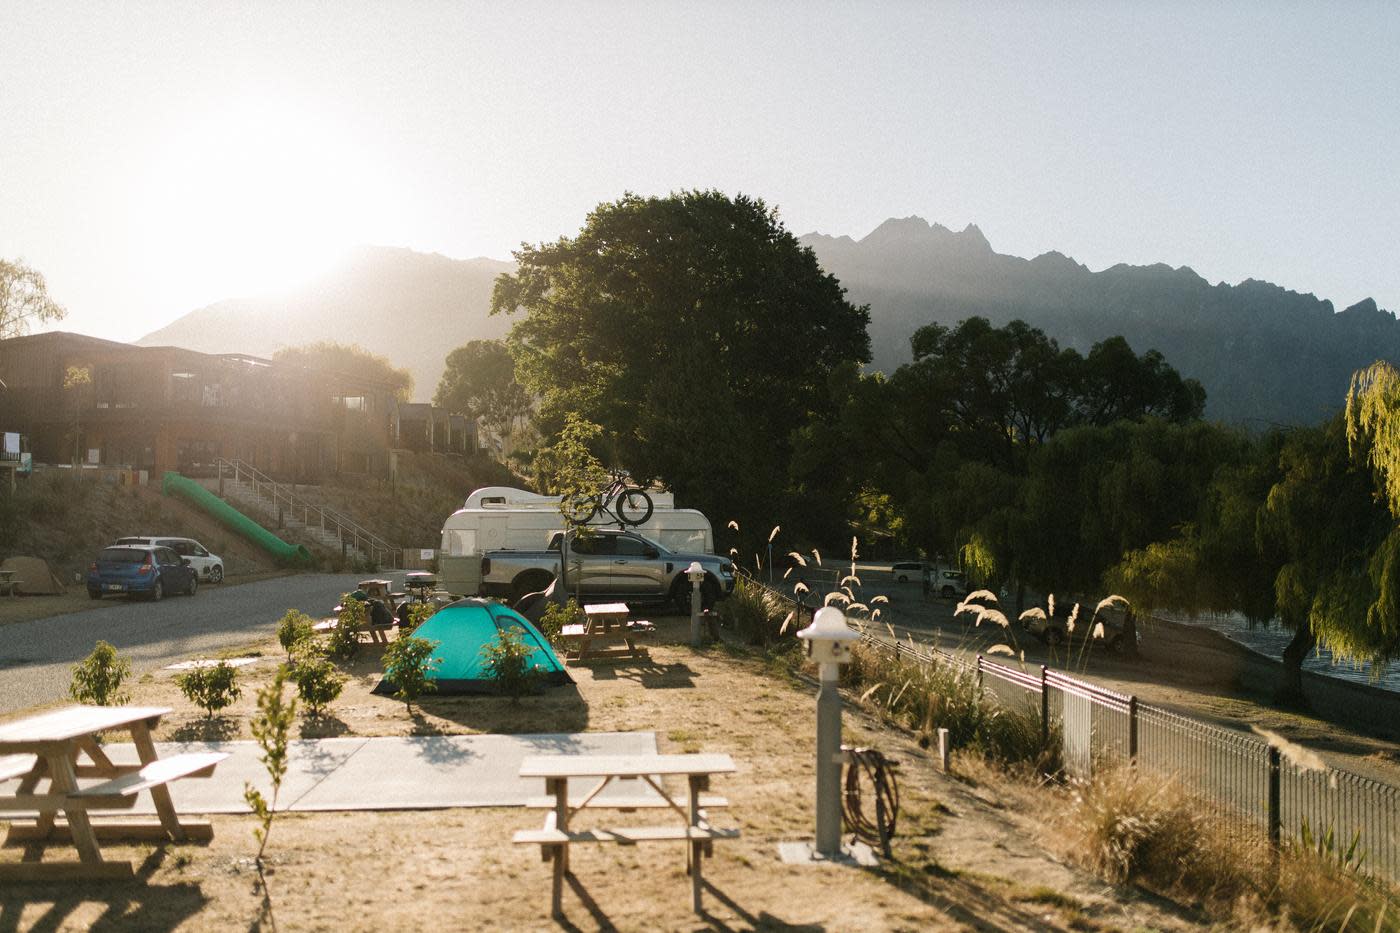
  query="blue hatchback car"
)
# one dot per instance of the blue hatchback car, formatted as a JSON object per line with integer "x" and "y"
{"x": 141, "y": 571}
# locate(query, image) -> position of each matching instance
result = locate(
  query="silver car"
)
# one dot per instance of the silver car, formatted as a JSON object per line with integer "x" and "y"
{"x": 210, "y": 567}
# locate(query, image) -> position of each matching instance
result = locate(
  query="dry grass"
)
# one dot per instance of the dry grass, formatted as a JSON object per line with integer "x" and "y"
{"x": 1129, "y": 827}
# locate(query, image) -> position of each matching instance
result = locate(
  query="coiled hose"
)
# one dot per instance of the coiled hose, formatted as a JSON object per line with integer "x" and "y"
{"x": 878, "y": 772}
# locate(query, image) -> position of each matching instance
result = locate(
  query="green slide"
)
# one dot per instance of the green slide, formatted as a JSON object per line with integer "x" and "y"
{"x": 173, "y": 484}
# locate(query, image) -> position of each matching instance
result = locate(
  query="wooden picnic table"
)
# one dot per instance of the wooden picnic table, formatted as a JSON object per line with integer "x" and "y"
{"x": 692, "y": 827}
{"x": 606, "y": 623}
{"x": 9, "y": 586}
{"x": 61, "y": 747}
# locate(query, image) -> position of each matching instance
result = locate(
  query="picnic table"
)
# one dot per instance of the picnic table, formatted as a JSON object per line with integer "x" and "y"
{"x": 9, "y": 586}
{"x": 692, "y": 827}
{"x": 61, "y": 747}
{"x": 606, "y": 623}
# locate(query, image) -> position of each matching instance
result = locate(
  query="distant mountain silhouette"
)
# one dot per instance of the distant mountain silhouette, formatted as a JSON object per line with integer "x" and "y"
{"x": 412, "y": 307}
{"x": 1261, "y": 351}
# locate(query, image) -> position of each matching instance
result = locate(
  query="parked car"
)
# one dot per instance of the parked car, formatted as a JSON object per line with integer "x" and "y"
{"x": 1054, "y": 630}
{"x": 210, "y": 567}
{"x": 908, "y": 570}
{"x": 144, "y": 571}
{"x": 950, "y": 584}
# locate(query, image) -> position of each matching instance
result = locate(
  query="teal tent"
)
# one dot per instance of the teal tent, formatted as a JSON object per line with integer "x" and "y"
{"x": 462, "y": 629}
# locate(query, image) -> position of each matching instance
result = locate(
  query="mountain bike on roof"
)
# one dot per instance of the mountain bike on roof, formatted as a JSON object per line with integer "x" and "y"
{"x": 619, "y": 501}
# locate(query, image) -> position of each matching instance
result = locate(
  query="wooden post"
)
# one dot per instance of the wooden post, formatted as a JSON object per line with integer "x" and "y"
{"x": 943, "y": 749}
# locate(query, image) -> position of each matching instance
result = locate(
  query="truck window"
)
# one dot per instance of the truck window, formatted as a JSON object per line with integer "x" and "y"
{"x": 630, "y": 547}
{"x": 595, "y": 544}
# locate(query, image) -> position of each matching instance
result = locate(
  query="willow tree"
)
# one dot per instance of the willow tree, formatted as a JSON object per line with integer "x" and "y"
{"x": 1304, "y": 537}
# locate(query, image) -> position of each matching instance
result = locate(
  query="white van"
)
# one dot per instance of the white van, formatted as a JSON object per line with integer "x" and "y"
{"x": 504, "y": 518}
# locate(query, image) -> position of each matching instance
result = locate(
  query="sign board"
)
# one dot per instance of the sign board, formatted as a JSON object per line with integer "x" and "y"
{"x": 426, "y": 553}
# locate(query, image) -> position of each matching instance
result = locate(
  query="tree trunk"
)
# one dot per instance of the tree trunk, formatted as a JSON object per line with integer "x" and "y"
{"x": 1290, "y": 686}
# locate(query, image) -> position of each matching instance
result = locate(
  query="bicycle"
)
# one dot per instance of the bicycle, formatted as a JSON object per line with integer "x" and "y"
{"x": 630, "y": 504}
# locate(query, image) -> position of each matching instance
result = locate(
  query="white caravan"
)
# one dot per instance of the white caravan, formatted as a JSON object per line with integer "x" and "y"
{"x": 504, "y": 518}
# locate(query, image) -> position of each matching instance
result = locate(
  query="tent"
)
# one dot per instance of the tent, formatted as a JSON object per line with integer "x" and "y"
{"x": 34, "y": 576}
{"x": 462, "y": 629}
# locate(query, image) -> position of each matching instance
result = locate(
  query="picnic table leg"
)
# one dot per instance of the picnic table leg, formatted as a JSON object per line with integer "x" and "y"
{"x": 559, "y": 787}
{"x": 44, "y": 824}
{"x": 165, "y": 807}
{"x": 64, "y": 780}
{"x": 695, "y": 847}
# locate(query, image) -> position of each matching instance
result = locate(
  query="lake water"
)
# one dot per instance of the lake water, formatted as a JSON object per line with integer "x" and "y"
{"x": 1272, "y": 640}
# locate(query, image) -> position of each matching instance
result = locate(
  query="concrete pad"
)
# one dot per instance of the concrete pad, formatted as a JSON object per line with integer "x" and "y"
{"x": 386, "y": 773}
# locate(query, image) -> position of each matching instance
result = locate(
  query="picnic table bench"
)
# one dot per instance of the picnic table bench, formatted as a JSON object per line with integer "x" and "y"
{"x": 693, "y": 827}
{"x": 606, "y": 623}
{"x": 378, "y": 634}
{"x": 52, "y": 746}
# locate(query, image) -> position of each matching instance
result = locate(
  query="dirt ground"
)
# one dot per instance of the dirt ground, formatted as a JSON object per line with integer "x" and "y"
{"x": 74, "y": 598}
{"x": 966, "y": 854}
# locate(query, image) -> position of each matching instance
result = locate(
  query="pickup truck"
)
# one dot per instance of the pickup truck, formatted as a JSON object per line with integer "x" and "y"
{"x": 621, "y": 565}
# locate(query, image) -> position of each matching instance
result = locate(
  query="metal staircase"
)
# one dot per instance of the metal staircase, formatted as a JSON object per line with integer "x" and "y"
{"x": 255, "y": 491}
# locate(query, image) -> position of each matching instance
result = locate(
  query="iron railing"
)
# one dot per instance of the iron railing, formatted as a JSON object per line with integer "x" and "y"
{"x": 1253, "y": 788}
{"x": 349, "y": 534}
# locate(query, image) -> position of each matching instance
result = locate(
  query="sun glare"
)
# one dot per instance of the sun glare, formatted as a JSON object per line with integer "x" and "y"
{"x": 253, "y": 198}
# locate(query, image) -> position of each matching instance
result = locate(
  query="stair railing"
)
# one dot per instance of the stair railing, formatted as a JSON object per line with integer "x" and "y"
{"x": 350, "y": 533}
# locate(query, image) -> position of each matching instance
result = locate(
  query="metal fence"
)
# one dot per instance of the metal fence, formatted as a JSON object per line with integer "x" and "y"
{"x": 1254, "y": 789}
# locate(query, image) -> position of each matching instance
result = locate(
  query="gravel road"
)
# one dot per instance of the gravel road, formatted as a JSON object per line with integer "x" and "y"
{"x": 36, "y": 657}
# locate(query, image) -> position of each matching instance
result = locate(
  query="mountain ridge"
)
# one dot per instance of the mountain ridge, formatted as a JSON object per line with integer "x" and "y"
{"x": 1263, "y": 352}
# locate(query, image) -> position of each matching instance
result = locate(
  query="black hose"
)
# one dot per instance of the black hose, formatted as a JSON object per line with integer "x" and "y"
{"x": 878, "y": 772}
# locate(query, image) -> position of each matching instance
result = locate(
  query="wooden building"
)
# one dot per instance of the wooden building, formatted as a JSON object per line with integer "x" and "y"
{"x": 166, "y": 408}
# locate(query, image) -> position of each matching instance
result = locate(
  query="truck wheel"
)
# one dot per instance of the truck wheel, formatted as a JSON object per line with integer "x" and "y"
{"x": 531, "y": 581}
{"x": 947, "y": 592}
{"x": 1053, "y": 636}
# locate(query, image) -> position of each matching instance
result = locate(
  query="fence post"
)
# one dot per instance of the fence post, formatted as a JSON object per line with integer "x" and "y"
{"x": 1275, "y": 818}
{"x": 979, "y": 675}
{"x": 1132, "y": 730}
{"x": 1044, "y": 707}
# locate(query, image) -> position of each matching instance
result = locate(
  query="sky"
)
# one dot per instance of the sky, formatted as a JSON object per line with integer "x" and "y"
{"x": 157, "y": 157}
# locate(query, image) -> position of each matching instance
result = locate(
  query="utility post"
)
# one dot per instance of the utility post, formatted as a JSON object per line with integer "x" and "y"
{"x": 828, "y": 641}
{"x": 696, "y": 575}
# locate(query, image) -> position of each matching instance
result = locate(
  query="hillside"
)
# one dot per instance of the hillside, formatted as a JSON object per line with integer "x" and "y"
{"x": 411, "y": 307}
{"x": 67, "y": 521}
{"x": 1262, "y": 352}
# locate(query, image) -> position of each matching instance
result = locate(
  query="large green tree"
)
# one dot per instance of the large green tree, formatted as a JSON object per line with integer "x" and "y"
{"x": 695, "y": 331}
{"x": 351, "y": 359}
{"x": 24, "y": 299}
{"x": 479, "y": 380}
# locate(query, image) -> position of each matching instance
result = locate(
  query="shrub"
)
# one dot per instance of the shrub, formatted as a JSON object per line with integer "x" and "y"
{"x": 929, "y": 696}
{"x": 407, "y": 663}
{"x": 211, "y": 687}
{"x": 270, "y": 726}
{"x": 507, "y": 660}
{"x": 557, "y": 615}
{"x": 344, "y": 641}
{"x": 418, "y": 613}
{"x": 755, "y": 614}
{"x": 318, "y": 682}
{"x": 98, "y": 679}
{"x": 294, "y": 628}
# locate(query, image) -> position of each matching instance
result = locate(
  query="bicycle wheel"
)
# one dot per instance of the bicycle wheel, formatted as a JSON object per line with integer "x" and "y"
{"x": 633, "y": 506}
{"x": 580, "y": 509}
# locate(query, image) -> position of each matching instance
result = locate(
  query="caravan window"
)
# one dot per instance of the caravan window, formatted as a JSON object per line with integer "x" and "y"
{"x": 459, "y": 543}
